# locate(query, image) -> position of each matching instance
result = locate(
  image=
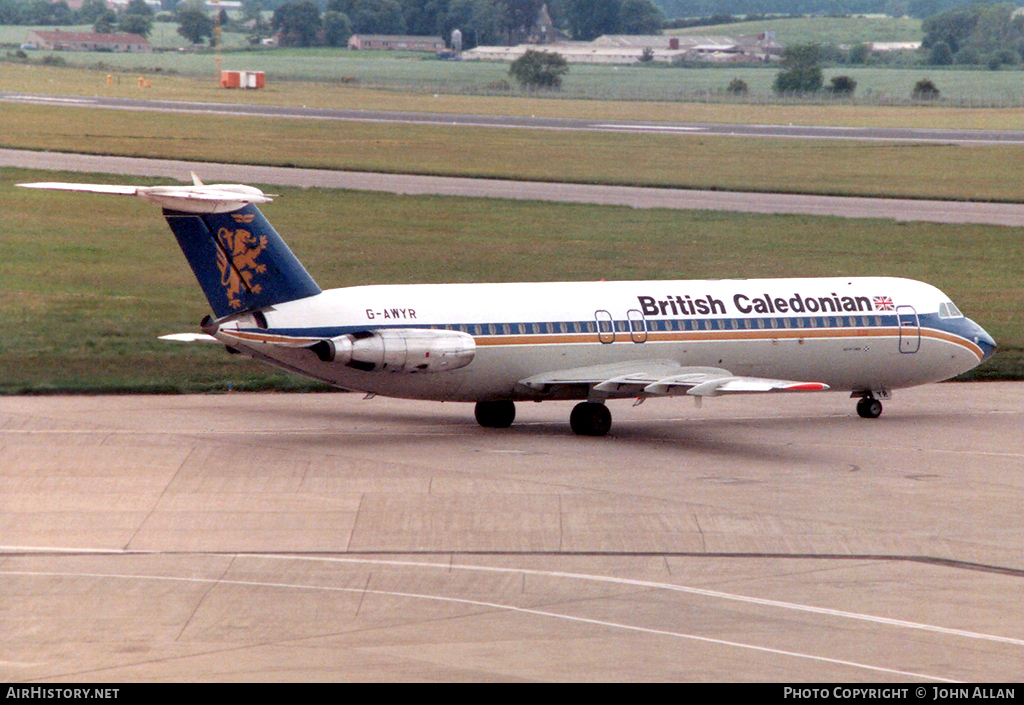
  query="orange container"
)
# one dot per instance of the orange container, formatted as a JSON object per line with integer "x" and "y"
{"x": 230, "y": 79}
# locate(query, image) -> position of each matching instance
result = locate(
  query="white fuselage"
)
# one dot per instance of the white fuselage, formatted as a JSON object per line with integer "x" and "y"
{"x": 869, "y": 334}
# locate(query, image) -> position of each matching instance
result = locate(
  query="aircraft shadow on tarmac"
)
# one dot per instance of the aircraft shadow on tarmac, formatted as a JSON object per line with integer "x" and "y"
{"x": 766, "y": 439}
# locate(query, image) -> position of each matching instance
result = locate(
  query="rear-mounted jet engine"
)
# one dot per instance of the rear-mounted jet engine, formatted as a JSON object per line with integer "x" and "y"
{"x": 407, "y": 350}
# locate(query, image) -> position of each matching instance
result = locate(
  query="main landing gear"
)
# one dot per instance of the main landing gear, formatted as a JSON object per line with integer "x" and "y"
{"x": 495, "y": 414}
{"x": 587, "y": 418}
{"x": 590, "y": 418}
{"x": 869, "y": 408}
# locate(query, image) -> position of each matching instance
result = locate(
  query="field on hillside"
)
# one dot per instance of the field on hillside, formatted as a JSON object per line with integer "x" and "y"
{"x": 164, "y": 35}
{"x": 821, "y": 30}
{"x": 83, "y": 299}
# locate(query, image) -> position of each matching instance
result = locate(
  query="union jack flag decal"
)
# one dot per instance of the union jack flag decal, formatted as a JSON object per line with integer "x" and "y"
{"x": 884, "y": 303}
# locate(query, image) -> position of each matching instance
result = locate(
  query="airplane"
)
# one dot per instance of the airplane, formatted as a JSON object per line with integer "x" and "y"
{"x": 498, "y": 344}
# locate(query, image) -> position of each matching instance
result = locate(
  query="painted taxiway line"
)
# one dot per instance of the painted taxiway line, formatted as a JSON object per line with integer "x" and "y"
{"x": 494, "y": 606}
{"x": 629, "y": 582}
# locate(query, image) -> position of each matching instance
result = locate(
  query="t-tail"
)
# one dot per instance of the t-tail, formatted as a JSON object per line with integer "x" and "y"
{"x": 242, "y": 264}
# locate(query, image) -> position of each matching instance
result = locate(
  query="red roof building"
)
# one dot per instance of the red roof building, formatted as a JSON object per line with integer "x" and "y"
{"x": 87, "y": 41}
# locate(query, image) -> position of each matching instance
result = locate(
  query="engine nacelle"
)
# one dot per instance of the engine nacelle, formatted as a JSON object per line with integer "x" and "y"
{"x": 408, "y": 350}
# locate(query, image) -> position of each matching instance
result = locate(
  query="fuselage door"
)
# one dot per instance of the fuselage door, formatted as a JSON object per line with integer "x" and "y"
{"x": 605, "y": 326}
{"x": 910, "y": 329}
{"x": 637, "y": 325}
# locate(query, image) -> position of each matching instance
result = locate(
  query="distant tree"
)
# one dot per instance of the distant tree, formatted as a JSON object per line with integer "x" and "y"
{"x": 377, "y": 17}
{"x": 337, "y": 28}
{"x": 252, "y": 10}
{"x": 925, "y": 90}
{"x": 90, "y": 10}
{"x": 952, "y": 27}
{"x": 940, "y": 54}
{"x": 998, "y": 36}
{"x": 897, "y": 8}
{"x": 193, "y": 23}
{"x": 539, "y": 69}
{"x": 299, "y": 23}
{"x": 42, "y": 12}
{"x": 843, "y": 86}
{"x": 424, "y": 17}
{"x": 640, "y": 17}
{"x": 342, "y": 6}
{"x": 738, "y": 86}
{"x": 138, "y": 7}
{"x": 135, "y": 24}
{"x": 801, "y": 70}
{"x": 967, "y": 56}
{"x": 859, "y": 54}
{"x": 519, "y": 17}
{"x": 481, "y": 22}
{"x": 105, "y": 23}
{"x": 589, "y": 19}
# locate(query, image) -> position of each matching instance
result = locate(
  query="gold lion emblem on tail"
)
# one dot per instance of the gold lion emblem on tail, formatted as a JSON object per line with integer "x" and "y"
{"x": 244, "y": 249}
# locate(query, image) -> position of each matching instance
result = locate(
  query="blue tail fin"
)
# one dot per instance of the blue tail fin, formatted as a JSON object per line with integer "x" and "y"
{"x": 240, "y": 260}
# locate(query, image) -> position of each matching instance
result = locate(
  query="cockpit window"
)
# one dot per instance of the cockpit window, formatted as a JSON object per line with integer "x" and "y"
{"x": 949, "y": 310}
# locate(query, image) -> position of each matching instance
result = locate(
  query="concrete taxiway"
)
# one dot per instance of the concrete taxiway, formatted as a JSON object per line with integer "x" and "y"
{"x": 323, "y": 537}
{"x": 900, "y": 209}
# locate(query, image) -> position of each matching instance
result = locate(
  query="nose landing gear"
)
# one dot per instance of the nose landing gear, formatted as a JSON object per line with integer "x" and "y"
{"x": 869, "y": 408}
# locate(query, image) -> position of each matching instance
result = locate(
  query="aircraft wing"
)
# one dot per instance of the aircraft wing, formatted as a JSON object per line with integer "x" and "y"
{"x": 663, "y": 378}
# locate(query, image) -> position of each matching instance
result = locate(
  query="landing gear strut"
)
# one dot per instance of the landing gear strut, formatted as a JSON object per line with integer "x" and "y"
{"x": 590, "y": 419}
{"x": 869, "y": 408}
{"x": 495, "y": 414}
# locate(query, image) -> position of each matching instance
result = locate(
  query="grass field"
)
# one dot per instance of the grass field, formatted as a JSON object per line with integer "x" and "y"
{"x": 71, "y": 81}
{"x": 88, "y": 283}
{"x": 778, "y": 165}
{"x": 426, "y": 74}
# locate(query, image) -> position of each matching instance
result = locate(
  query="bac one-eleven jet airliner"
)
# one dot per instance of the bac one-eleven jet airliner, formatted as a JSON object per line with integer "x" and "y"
{"x": 496, "y": 344}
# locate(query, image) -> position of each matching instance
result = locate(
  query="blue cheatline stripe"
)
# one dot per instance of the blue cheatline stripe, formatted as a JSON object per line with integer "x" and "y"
{"x": 680, "y": 325}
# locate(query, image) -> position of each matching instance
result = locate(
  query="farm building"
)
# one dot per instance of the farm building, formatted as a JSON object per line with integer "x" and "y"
{"x": 631, "y": 49}
{"x": 87, "y": 41}
{"x": 395, "y": 42}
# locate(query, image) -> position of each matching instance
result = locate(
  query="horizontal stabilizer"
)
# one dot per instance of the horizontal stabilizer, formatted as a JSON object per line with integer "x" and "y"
{"x": 197, "y": 198}
{"x": 189, "y": 338}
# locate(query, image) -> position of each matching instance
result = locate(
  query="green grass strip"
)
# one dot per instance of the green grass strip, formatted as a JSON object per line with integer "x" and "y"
{"x": 833, "y": 167}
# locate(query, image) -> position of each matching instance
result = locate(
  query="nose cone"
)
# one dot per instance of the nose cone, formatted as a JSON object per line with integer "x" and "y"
{"x": 984, "y": 341}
